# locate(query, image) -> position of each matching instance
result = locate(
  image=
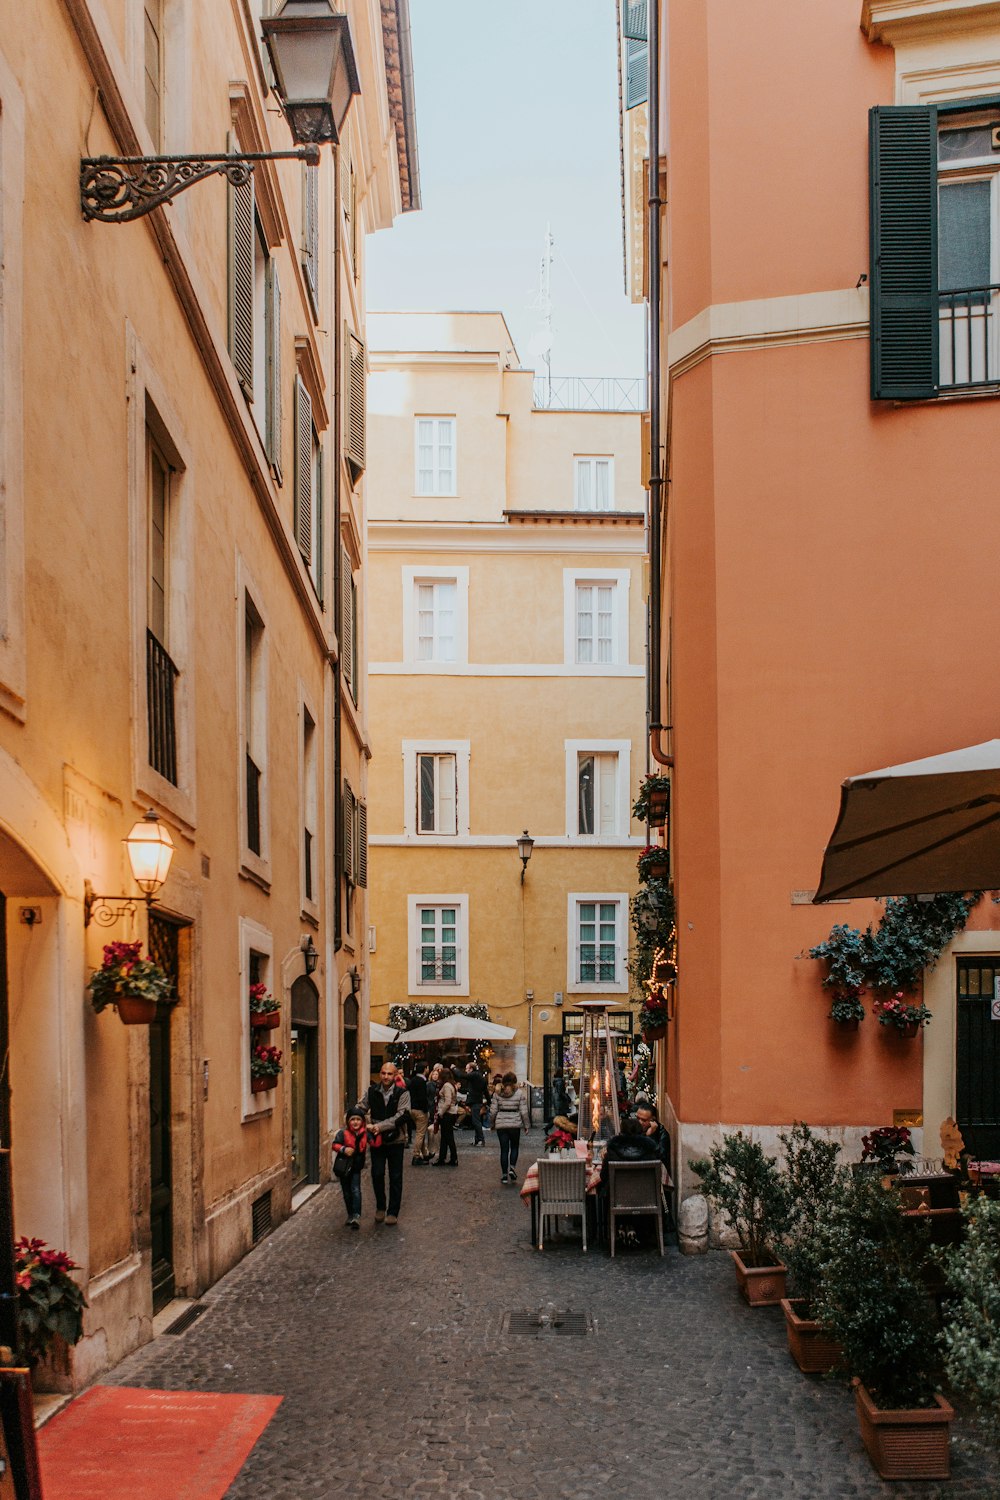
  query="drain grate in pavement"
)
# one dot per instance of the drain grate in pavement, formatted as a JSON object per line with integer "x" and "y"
{"x": 533, "y": 1324}
{"x": 188, "y": 1316}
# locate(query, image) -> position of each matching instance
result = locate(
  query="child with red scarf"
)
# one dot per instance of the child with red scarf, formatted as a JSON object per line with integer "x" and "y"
{"x": 350, "y": 1147}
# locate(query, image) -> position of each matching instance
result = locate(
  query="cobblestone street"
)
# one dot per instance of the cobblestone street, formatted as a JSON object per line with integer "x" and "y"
{"x": 398, "y": 1379}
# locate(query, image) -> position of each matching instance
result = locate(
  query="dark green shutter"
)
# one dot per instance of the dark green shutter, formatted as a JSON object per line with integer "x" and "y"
{"x": 635, "y": 20}
{"x": 636, "y": 72}
{"x": 904, "y": 269}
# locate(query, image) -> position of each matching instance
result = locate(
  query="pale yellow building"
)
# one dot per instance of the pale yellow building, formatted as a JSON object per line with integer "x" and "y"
{"x": 507, "y": 680}
{"x": 182, "y": 445}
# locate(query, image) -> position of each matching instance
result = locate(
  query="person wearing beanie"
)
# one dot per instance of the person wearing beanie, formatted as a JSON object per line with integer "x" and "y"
{"x": 351, "y": 1145}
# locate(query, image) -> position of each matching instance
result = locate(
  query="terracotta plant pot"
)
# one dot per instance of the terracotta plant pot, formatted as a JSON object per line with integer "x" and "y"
{"x": 906, "y": 1444}
{"x": 654, "y": 1033}
{"x": 658, "y": 804}
{"x": 260, "y": 1083}
{"x": 657, "y": 871}
{"x": 910, "y": 1030}
{"x": 850, "y": 1025}
{"x": 265, "y": 1020}
{"x": 809, "y": 1344}
{"x": 762, "y": 1286}
{"x": 135, "y": 1010}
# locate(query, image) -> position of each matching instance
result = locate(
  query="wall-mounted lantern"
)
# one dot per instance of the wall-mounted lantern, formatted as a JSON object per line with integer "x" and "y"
{"x": 150, "y": 850}
{"x": 309, "y": 952}
{"x": 525, "y": 844}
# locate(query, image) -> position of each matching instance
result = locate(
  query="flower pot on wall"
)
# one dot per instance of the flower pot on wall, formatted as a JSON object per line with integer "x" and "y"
{"x": 654, "y": 1033}
{"x": 906, "y": 1444}
{"x": 849, "y": 1025}
{"x": 762, "y": 1286}
{"x": 810, "y": 1345}
{"x": 910, "y": 1030}
{"x": 659, "y": 802}
{"x": 265, "y": 1020}
{"x": 261, "y": 1083}
{"x": 135, "y": 1010}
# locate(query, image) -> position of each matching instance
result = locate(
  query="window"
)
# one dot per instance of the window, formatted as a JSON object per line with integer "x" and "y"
{"x": 594, "y": 483}
{"x": 255, "y": 317}
{"x": 309, "y": 496}
{"x": 153, "y": 69}
{"x": 309, "y": 813}
{"x": 353, "y": 850}
{"x": 435, "y": 444}
{"x": 436, "y": 621}
{"x": 435, "y": 617}
{"x": 439, "y": 934}
{"x": 597, "y": 955}
{"x": 597, "y": 789}
{"x": 349, "y": 202}
{"x": 596, "y": 618}
{"x": 436, "y": 788}
{"x": 161, "y": 673}
{"x": 256, "y": 967}
{"x": 935, "y": 212}
{"x": 349, "y": 624}
{"x": 310, "y": 232}
{"x": 636, "y": 52}
{"x": 254, "y": 675}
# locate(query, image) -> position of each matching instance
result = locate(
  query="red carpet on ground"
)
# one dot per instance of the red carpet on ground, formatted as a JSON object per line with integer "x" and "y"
{"x": 119, "y": 1443}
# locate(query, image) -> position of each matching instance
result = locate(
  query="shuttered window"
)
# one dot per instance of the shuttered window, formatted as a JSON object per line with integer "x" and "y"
{"x": 635, "y": 32}
{"x": 904, "y": 252}
{"x": 310, "y": 231}
{"x": 349, "y": 824}
{"x": 272, "y": 434}
{"x": 153, "y": 69}
{"x": 362, "y": 845}
{"x": 303, "y": 519}
{"x": 349, "y": 201}
{"x": 242, "y": 236}
{"x": 348, "y": 623}
{"x": 355, "y": 416}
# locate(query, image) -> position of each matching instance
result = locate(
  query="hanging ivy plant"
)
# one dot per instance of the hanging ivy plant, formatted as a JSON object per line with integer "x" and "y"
{"x": 889, "y": 959}
{"x": 652, "y": 915}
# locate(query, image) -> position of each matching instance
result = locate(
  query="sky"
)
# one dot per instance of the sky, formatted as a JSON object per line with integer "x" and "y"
{"x": 517, "y": 129}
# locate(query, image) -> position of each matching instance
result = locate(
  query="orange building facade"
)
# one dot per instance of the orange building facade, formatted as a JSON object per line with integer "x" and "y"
{"x": 828, "y": 370}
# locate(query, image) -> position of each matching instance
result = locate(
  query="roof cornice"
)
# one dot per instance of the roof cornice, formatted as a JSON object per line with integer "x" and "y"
{"x": 402, "y": 103}
{"x": 890, "y": 21}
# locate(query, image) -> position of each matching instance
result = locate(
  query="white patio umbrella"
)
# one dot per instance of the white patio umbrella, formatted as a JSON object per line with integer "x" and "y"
{"x": 381, "y": 1033}
{"x": 457, "y": 1028}
{"x": 923, "y": 827}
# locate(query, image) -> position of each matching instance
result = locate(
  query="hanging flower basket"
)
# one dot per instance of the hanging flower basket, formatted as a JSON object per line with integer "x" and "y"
{"x": 654, "y": 1033}
{"x": 265, "y": 1012}
{"x": 265, "y": 1066}
{"x": 898, "y": 1013}
{"x": 135, "y": 986}
{"x": 260, "y": 1083}
{"x": 265, "y": 1020}
{"x": 653, "y": 802}
{"x": 135, "y": 1010}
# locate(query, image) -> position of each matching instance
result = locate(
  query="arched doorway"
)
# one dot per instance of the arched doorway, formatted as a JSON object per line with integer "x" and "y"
{"x": 305, "y": 1083}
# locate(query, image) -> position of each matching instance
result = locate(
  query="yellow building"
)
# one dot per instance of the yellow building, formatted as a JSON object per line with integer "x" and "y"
{"x": 507, "y": 680}
{"x": 182, "y": 450}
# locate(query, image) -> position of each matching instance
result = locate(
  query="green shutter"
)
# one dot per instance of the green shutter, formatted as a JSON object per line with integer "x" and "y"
{"x": 904, "y": 269}
{"x": 273, "y": 411}
{"x": 635, "y": 20}
{"x": 636, "y": 72}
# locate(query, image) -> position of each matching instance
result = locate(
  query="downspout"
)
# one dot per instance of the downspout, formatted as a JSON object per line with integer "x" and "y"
{"x": 653, "y": 694}
{"x": 338, "y": 596}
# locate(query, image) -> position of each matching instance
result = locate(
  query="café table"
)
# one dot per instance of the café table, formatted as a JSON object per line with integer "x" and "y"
{"x": 529, "y": 1191}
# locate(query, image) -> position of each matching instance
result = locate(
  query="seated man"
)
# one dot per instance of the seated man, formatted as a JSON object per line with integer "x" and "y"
{"x": 653, "y": 1131}
{"x": 630, "y": 1144}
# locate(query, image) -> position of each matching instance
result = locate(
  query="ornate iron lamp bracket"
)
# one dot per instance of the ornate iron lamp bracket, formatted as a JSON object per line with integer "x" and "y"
{"x": 117, "y": 189}
{"x": 107, "y": 910}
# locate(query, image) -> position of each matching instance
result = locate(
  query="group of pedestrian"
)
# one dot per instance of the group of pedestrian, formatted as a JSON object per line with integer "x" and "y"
{"x": 398, "y": 1113}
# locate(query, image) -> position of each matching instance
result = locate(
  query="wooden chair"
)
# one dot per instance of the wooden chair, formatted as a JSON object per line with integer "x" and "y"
{"x": 562, "y": 1190}
{"x": 634, "y": 1187}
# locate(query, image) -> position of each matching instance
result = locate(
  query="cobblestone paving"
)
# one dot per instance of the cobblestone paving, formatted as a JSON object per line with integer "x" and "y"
{"x": 398, "y": 1380}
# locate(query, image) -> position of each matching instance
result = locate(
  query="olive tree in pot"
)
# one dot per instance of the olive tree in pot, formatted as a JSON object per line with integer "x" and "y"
{"x": 971, "y": 1336}
{"x": 873, "y": 1300}
{"x": 739, "y": 1179}
{"x": 813, "y": 1179}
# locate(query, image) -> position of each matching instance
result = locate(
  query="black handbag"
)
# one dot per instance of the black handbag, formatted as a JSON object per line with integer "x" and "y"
{"x": 343, "y": 1165}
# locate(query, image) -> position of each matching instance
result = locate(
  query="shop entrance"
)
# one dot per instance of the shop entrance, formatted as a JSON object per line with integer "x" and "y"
{"x": 305, "y": 1083}
{"x": 977, "y": 1056}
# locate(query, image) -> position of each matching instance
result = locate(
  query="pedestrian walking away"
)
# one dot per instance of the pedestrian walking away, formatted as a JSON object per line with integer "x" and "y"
{"x": 508, "y": 1116}
{"x": 474, "y": 1087}
{"x": 350, "y": 1147}
{"x": 420, "y": 1113}
{"x": 387, "y": 1110}
{"x": 447, "y": 1118}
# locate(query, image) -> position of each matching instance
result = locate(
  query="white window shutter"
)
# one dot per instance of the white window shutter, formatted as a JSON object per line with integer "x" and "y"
{"x": 241, "y": 279}
{"x": 608, "y": 792}
{"x": 303, "y": 469}
{"x": 447, "y": 799}
{"x": 273, "y": 412}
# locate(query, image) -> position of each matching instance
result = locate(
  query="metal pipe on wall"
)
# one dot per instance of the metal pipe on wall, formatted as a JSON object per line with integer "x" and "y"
{"x": 656, "y": 480}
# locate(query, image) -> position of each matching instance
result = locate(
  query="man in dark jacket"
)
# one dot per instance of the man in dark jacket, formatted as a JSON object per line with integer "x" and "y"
{"x": 654, "y": 1131}
{"x": 419, "y": 1113}
{"x": 387, "y": 1110}
{"x": 473, "y": 1086}
{"x": 630, "y": 1144}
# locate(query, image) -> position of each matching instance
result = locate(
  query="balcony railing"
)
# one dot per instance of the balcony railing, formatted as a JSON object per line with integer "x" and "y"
{"x": 597, "y": 963}
{"x": 161, "y": 675}
{"x": 253, "y": 805}
{"x": 589, "y": 393}
{"x": 438, "y": 965}
{"x": 970, "y": 337}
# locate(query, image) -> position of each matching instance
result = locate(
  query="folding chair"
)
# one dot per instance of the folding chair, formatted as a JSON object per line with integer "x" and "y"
{"x": 634, "y": 1188}
{"x": 562, "y": 1190}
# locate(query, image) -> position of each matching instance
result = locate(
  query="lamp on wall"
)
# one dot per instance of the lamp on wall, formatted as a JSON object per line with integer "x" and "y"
{"x": 316, "y": 79}
{"x": 309, "y": 952}
{"x": 525, "y": 844}
{"x": 150, "y": 851}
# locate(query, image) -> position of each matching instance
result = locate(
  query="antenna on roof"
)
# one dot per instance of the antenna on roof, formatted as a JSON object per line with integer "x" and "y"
{"x": 541, "y": 344}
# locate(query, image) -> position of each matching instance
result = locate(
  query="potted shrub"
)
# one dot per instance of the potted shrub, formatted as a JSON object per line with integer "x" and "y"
{"x": 971, "y": 1337}
{"x": 50, "y": 1311}
{"x": 846, "y": 1009}
{"x": 265, "y": 1012}
{"x": 872, "y": 1299}
{"x": 653, "y": 863}
{"x": 900, "y": 1013}
{"x": 812, "y": 1178}
{"x": 653, "y": 802}
{"x": 132, "y": 984}
{"x": 745, "y": 1184}
{"x": 265, "y": 1066}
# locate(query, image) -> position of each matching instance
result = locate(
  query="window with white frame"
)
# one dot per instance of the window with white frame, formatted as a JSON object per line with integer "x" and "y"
{"x": 597, "y": 944}
{"x": 597, "y": 789}
{"x": 435, "y": 455}
{"x": 436, "y": 788}
{"x": 256, "y": 967}
{"x": 435, "y": 617}
{"x": 437, "y": 794}
{"x": 596, "y": 618}
{"x": 593, "y": 482}
{"x": 436, "y": 620}
{"x": 438, "y": 930}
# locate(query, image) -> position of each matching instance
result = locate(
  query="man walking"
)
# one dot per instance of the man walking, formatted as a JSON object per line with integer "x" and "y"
{"x": 473, "y": 1085}
{"x": 387, "y": 1106}
{"x": 419, "y": 1113}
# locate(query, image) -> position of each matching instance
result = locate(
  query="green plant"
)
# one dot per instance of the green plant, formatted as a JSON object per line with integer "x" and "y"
{"x": 123, "y": 972}
{"x": 896, "y": 1010}
{"x": 653, "y": 789}
{"x": 738, "y": 1178}
{"x": 883, "y": 1145}
{"x": 971, "y": 1337}
{"x": 847, "y": 1006}
{"x": 265, "y": 1062}
{"x": 652, "y": 917}
{"x": 261, "y": 1002}
{"x": 812, "y": 1180}
{"x": 49, "y": 1302}
{"x": 871, "y": 1294}
{"x": 653, "y": 857}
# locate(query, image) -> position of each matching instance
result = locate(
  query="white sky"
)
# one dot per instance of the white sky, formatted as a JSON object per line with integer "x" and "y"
{"x": 517, "y": 106}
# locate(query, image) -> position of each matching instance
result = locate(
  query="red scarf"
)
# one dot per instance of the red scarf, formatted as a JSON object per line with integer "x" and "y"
{"x": 358, "y": 1142}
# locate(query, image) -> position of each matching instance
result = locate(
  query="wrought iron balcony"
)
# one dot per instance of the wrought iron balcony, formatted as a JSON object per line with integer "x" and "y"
{"x": 969, "y": 338}
{"x": 161, "y": 675}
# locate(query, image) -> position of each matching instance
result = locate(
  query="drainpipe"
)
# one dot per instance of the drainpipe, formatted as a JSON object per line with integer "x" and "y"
{"x": 656, "y": 728}
{"x": 338, "y": 801}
